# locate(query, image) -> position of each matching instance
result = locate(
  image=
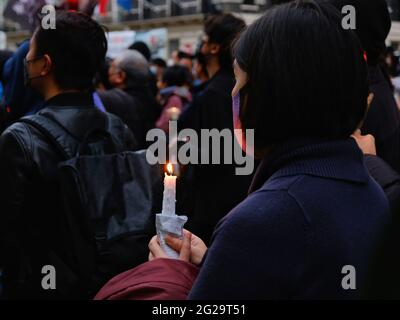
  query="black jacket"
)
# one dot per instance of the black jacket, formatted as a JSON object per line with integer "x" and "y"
{"x": 212, "y": 190}
{"x": 136, "y": 107}
{"x": 383, "y": 119}
{"x": 30, "y": 223}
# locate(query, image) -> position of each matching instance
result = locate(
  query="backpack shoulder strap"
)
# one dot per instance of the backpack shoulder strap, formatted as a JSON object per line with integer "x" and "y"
{"x": 54, "y": 132}
{"x": 116, "y": 128}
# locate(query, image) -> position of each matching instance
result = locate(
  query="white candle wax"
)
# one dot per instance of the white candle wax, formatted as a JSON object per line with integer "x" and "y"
{"x": 169, "y": 195}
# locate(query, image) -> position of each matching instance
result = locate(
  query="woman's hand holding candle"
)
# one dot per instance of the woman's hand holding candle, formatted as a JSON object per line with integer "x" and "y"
{"x": 191, "y": 248}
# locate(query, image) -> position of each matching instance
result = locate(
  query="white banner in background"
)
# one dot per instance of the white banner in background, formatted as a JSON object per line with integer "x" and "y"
{"x": 119, "y": 41}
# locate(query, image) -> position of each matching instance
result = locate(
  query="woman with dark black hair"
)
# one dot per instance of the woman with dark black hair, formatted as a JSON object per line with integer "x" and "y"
{"x": 314, "y": 221}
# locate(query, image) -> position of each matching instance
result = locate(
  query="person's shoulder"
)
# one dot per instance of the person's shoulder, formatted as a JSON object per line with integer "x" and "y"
{"x": 112, "y": 93}
{"x": 266, "y": 215}
{"x": 219, "y": 86}
{"x": 215, "y": 99}
{"x": 16, "y": 138}
{"x": 115, "y": 122}
{"x": 16, "y": 131}
{"x": 174, "y": 100}
{"x": 266, "y": 205}
{"x": 121, "y": 131}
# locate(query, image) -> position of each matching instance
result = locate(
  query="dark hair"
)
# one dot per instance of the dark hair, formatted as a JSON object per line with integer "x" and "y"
{"x": 101, "y": 77}
{"x": 307, "y": 76}
{"x": 176, "y": 76}
{"x": 142, "y": 48}
{"x": 201, "y": 60}
{"x": 373, "y": 25}
{"x": 223, "y": 30}
{"x": 184, "y": 55}
{"x": 77, "y": 47}
{"x": 159, "y": 62}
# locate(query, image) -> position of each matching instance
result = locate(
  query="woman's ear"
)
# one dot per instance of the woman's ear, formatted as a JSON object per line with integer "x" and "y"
{"x": 241, "y": 79}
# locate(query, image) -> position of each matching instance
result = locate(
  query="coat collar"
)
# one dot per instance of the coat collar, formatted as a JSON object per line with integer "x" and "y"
{"x": 75, "y": 112}
{"x": 71, "y": 99}
{"x": 340, "y": 160}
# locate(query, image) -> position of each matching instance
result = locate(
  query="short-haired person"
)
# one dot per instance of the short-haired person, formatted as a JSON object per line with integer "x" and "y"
{"x": 313, "y": 207}
{"x": 216, "y": 188}
{"x": 157, "y": 67}
{"x": 131, "y": 98}
{"x": 200, "y": 73}
{"x": 19, "y": 100}
{"x": 144, "y": 49}
{"x": 185, "y": 59}
{"x": 60, "y": 66}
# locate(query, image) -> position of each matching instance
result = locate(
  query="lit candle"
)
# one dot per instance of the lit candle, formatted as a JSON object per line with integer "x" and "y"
{"x": 169, "y": 199}
{"x": 168, "y": 222}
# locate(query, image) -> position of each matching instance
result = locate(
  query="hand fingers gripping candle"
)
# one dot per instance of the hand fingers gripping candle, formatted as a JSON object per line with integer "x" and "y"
{"x": 168, "y": 222}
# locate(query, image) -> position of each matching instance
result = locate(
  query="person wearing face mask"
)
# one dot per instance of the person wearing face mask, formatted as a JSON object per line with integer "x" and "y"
{"x": 200, "y": 74}
{"x": 60, "y": 66}
{"x": 313, "y": 209}
{"x": 207, "y": 202}
{"x": 157, "y": 67}
{"x": 20, "y": 100}
{"x": 144, "y": 49}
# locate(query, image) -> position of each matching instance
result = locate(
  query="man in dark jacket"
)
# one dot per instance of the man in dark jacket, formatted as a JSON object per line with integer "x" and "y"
{"x": 215, "y": 189}
{"x": 383, "y": 119}
{"x": 60, "y": 65}
{"x": 144, "y": 49}
{"x": 131, "y": 98}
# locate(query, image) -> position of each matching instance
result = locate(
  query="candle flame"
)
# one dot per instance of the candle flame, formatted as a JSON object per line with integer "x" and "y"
{"x": 170, "y": 169}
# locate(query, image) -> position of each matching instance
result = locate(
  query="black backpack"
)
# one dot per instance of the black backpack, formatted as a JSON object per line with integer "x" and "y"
{"x": 110, "y": 198}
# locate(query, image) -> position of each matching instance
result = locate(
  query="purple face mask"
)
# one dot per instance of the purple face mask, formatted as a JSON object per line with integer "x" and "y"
{"x": 240, "y": 134}
{"x": 236, "y": 111}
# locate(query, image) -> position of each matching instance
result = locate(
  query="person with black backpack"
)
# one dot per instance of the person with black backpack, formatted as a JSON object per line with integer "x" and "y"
{"x": 60, "y": 164}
